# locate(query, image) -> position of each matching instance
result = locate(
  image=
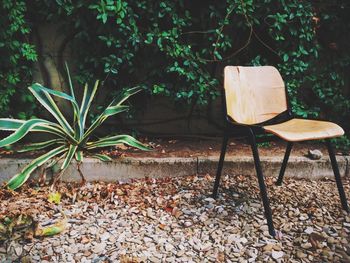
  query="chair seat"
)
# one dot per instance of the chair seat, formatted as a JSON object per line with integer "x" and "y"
{"x": 296, "y": 130}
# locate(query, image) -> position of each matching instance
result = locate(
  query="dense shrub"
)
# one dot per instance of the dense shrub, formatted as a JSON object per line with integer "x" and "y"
{"x": 179, "y": 48}
{"x": 16, "y": 53}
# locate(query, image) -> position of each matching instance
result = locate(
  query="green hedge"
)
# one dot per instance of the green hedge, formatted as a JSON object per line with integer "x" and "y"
{"x": 179, "y": 48}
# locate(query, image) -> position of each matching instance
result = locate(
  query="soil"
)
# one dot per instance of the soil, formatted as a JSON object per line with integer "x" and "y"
{"x": 192, "y": 148}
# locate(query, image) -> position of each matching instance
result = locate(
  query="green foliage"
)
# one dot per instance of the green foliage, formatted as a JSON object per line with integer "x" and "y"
{"x": 264, "y": 144}
{"x": 326, "y": 87}
{"x": 16, "y": 51}
{"x": 342, "y": 144}
{"x": 179, "y": 48}
{"x": 70, "y": 140}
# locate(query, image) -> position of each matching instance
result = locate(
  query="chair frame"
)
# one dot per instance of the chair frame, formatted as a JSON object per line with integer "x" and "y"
{"x": 250, "y": 132}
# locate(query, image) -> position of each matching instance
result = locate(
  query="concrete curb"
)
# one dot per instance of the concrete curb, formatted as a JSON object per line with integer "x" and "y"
{"x": 131, "y": 168}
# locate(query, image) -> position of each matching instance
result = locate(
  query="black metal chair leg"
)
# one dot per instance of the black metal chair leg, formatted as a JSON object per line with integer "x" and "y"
{"x": 335, "y": 168}
{"x": 263, "y": 191}
{"x": 284, "y": 163}
{"x": 220, "y": 165}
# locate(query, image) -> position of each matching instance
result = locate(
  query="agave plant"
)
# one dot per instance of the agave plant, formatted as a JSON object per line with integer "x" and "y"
{"x": 70, "y": 141}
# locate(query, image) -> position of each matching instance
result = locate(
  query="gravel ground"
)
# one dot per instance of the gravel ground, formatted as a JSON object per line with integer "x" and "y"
{"x": 175, "y": 220}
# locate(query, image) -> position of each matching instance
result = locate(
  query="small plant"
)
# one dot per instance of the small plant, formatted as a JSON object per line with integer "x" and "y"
{"x": 71, "y": 140}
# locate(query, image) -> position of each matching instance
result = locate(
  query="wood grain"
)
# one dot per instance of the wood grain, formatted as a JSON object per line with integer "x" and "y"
{"x": 301, "y": 130}
{"x": 254, "y": 94}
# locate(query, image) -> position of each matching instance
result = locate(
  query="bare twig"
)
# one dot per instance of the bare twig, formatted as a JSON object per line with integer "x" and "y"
{"x": 198, "y": 32}
{"x": 42, "y": 176}
{"x": 266, "y": 45}
{"x": 256, "y": 35}
{"x": 243, "y": 47}
{"x": 55, "y": 179}
{"x": 83, "y": 180}
{"x": 234, "y": 53}
{"x": 109, "y": 72}
{"x": 220, "y": 31}
{"x": 252, "y": 31}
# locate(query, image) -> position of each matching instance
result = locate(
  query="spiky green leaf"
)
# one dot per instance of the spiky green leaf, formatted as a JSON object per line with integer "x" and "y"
{"x": 69, "y": 81}
{"x": 43, "y": 96}
{"x": 40, "y": 145}
{"x": 7, "y": 124}
{"x": 79, "y": 156}
{"x": 124, "y": 95}
{"x": 100, "y": 119}
{"x": 117, "y": 140}
{"x": 102, "y": 157}
{"x": 52, "y": 162}
{"x": 19, "y": 179}
{"x": 74, "y": 103}
{"x": 68, "y": 158}
{"x": 89, "y": 94}
{"x": 76, "y": 113}
{"x": 113, "y": 108}
{"x": 22, "y": 131}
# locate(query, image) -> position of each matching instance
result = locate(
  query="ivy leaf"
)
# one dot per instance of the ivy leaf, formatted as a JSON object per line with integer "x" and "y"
{"x": 104, "y": 18}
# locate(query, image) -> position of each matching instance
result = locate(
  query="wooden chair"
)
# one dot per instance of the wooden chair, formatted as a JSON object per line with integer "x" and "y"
{"x": 255, "y": 101}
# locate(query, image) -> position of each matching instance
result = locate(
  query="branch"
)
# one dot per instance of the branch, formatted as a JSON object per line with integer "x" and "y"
{"x": 266, "y": 45}
{"x": 220, "y": 31}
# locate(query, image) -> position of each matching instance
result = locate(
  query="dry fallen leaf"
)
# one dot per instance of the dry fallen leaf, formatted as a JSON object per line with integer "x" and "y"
{"x": 3, "y": 232}
{"x": 54, "y": 197}
{"x": 127, "y": 259}
{"x": 53, "y": 229}
{"x": 220, "y": 257}
{"x": 315, "y": 240}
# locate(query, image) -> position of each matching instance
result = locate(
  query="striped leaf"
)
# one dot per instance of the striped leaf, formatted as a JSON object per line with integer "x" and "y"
{"x": 74, "y": 103}
{"x": 56, "y": 93}
{"x": 79, "y": 156}
{"x": 43, "y": 96}
{"x": 117, "y": 140}
{"x": 100, "y": 119}
{"x": 52, "y": 162}
{"x": 110, "y": 111}
{"x": 7, "y": 124}
{"x": 124, "y": 95}
{"x": 22, "y": 177}
{"x": 76, "y": 114}
{"x": 21, "y": 131}
{"x": 102, "y": 157}
{"x": 69, "y": 81}
{"x": 89, "y": 94}
{"x": 113, "y": 108}
{"x": 69, "y": 156}
{"x": 40, "y": 145}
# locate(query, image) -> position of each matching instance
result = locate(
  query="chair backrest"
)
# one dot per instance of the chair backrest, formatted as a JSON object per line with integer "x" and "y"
{"x": 254, "y": 94}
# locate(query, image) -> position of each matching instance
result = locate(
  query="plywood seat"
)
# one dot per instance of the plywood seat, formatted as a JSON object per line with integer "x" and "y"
{"x": 296, "y": 130}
